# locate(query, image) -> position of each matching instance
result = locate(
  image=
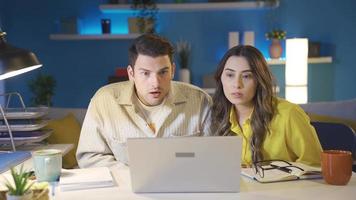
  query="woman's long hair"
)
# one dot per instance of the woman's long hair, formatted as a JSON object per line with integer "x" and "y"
{"x": 263, "y": 101}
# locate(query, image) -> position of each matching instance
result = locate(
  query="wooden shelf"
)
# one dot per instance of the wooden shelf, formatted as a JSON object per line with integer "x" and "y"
{"x": 167, "y": 7}
{"x": 93, "y": 37}
{"x": 310, "y": 60}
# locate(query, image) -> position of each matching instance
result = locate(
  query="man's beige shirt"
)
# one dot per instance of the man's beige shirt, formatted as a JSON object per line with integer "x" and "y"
{"x": 112, "y": 118}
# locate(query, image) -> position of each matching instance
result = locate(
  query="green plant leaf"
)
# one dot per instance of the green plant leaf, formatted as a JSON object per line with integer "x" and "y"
{"x": 21, "y": 180}
{"x": 42, "y": 88}
{"x": 147, "y": 10}
{"x": 183, "y": 53}
{"x": 276, "y": 34}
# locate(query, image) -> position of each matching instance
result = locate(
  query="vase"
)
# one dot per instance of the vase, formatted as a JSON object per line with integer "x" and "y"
{"x": 275, "y": 50}
{"x": 184, "y": 75}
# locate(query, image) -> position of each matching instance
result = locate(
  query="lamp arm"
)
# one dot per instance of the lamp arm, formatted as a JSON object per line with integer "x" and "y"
{"x": 10, "y": 94}
{"x": 9, "y": 99}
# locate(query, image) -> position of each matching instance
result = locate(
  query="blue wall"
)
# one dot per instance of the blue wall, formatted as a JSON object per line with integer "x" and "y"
{"x": 80, "y": 67}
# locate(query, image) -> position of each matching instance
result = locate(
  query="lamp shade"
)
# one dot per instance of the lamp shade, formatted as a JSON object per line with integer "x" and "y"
{"x": 296, "y": 73}
{"x": 14, "y": 60}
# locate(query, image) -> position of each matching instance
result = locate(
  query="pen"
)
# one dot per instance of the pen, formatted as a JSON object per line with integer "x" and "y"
{"x": 285, "y": 169}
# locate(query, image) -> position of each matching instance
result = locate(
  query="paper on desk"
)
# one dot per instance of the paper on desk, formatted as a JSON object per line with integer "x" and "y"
{"x": 80, "y": 179}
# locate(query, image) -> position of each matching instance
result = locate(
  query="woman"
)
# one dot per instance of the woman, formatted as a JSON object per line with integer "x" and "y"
{"x": 245, "y": 104}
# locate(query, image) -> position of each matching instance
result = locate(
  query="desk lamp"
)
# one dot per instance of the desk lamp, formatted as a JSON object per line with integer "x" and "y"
{"x": 14, "y": 61}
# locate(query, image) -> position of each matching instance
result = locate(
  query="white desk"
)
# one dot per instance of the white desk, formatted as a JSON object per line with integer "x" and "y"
{"x": 304, "y": 189}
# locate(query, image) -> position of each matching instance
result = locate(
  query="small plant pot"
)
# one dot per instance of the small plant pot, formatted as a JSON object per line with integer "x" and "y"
{"x": 184, "y": 75}
{"x": 275, "y": 50}
{"x": 27, "y": 196}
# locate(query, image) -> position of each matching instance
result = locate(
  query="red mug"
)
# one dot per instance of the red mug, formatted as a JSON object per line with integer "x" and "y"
{"x": 336, "y": 166}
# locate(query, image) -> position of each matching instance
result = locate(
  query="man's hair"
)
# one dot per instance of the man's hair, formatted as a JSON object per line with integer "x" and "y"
{"x": 150, "y": 45}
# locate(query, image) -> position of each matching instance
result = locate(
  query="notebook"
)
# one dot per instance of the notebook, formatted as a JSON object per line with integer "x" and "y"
{"x": 89, "y": 178}
{"x": 10, "y": 159}
{"x": 280, "y": 174}
{"x": 185, "y": 164}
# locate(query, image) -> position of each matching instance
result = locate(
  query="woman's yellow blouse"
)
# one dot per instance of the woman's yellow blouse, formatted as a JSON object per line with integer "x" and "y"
{"x": 291, "y": 136}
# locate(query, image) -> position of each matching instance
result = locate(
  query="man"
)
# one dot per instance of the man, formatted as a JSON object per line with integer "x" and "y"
{"x": 149, "y": 105}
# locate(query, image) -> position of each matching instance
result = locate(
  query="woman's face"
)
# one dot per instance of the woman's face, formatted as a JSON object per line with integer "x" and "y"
{"x": 238, "y": 81}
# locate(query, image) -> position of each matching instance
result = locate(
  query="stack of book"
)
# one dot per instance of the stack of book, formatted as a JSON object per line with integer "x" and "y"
{"x": 89, "y": 178}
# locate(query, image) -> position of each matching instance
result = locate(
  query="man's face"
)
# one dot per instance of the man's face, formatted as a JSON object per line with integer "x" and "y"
{"x": 152, "y": 77}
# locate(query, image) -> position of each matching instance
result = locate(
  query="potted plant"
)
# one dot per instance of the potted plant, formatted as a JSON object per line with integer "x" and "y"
{"x": 275, "y": 50}
{"x": 20, "y": 188}
{"x": 145, "y": 17}
{"x": 183, "y": 57}
{"x": 43, "y": 89}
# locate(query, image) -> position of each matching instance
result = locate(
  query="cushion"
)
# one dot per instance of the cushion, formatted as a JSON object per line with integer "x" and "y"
{"x": 65, "y": 131}
{"x": 325, "y": 118}
{"x": 340, "y": 109}
{"x": 57, "y": 113}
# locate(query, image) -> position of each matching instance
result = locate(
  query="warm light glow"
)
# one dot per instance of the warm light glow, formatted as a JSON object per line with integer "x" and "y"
{"x": 17, "y": 72}
{"x": 296, "y": 73}
{"x": 297, "y": 95}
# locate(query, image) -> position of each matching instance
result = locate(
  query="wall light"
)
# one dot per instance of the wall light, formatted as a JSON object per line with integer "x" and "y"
{"x": 296, "y": 73}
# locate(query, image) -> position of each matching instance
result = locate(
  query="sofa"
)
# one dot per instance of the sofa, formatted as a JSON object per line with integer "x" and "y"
{"x": 67, "y": 122}
{"x": 337, "y": 111}
{"x": 57, "y": 113}
{"x": 343, "y": 112}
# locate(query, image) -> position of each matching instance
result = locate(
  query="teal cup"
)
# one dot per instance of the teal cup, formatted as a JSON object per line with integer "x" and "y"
{"x": 47, "y": 164}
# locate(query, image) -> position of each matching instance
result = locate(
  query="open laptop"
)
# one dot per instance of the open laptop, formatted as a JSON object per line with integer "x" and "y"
{"x": 185, "y": 164}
